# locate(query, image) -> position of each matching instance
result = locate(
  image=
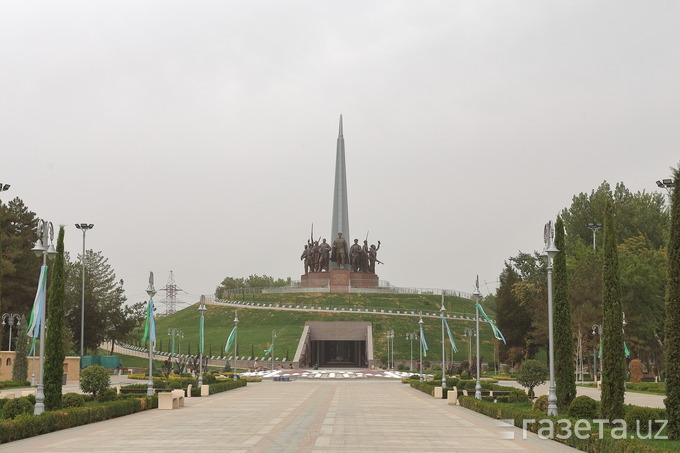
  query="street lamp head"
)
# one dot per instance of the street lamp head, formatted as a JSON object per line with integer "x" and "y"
{"x": 51, "y": 251}
{"x": 4, "y": 187}
{"x": 443, "y": 310}
{"x": 668, "y": 182}
{"x": 551, "y": 251}
{"x": 202, "y": 308}
{"x": 84, "y": 226}
{"x": 235, "y": 317}
{"x": 38, "y": 248}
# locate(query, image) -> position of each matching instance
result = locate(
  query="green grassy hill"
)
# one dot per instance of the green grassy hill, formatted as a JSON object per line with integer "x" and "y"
{"x": 256, "y": 324}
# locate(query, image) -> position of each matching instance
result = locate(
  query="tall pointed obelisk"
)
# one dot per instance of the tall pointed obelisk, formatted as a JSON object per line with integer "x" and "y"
{"x": 340, "y": 212}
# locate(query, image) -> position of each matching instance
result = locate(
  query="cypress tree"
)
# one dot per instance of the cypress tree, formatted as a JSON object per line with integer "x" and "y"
{"x": 20, "y": 368}
{"x": 672, "y": 328}
{"x": 54, "y": 343}
{"x": 613, "y": 355}
{"x": 565, "y": 377}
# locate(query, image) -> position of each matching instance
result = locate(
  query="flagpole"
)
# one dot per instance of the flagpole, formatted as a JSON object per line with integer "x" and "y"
{"x": 443, "y": 311}
{"x": 151, "y": 291}
{"x": 235, "y": 342}
{"x": 420, "y": 336}
{"x": 478, "y": 296}
{"x": 202, "y": 310}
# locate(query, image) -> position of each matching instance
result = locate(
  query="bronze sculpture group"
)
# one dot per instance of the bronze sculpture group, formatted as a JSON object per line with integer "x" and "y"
{"x": 316, "y": 256}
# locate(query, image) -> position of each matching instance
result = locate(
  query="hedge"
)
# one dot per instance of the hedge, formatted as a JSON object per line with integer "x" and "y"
{"x": 591, "y": 444}
{"x": 227, "y": 385}
{"x": 28, "y": 425}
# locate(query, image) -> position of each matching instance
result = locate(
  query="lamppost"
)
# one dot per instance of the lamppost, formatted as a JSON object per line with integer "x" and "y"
{"x": 201, "y": 310}
{"x": 172, "y": 333}
{"x": 411, "y": 336}
{"x": 667, "y": 184}
{"x": 420, "y": 337}
{"x": 594, "y": 227}
{"x": 390, "y": 338}
{"x": 273, "y": 339}
{"x": 580, "y": 355}
{"x": 597, "y": 330}
{"x": 443, "y": 312}
{"x": 235, "y": 342}
{"x": 151, "y": 291}
{"x": 550, "y": 251}
{"x": 45, "y": 232}
{"x": 84, "y": 227}
{"x": 477, "y": 295}
{"x": 469, "y": 332}
{"x": 10, "y": 320}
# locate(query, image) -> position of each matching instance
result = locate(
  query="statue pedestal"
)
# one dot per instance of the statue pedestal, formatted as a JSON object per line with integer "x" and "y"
{"x": 340, "y": 280}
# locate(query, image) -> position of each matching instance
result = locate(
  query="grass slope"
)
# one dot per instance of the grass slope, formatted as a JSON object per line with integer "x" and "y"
{"x": 256, "y": 325}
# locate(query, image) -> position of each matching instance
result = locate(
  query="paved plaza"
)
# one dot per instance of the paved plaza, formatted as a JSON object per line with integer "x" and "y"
{"x": 305, "y": 415}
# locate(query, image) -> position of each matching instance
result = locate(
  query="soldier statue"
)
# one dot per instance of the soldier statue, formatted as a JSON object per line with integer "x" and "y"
{"x": 339, "y": 251}
{"x": 324, "y": 255}
{"x": 373, "y": 257}
{"x": 355, "y": 256}
{"x": 305, "y": 259}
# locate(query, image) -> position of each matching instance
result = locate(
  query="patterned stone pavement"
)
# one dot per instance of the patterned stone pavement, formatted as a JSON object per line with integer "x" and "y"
{"x": 304, "y": 415}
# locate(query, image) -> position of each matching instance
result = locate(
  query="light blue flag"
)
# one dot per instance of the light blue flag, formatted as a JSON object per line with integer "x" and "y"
{"x": 150, "y": 325}
{"x": 230, "y": 340}
{"x": 33, "y": 329}
{"x": 422, "y": 337}
{"x": 453, "y": 343}
{"x": 269, "y": 351}
{"x": 496, "y": 332}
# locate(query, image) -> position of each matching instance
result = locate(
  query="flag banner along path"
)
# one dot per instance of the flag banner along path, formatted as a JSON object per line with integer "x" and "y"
{"x": 33, "y": 329}
{"x": 422, "y": 337}
{"x": 150, "y": 325}
{"x": 496, "y": 332}
{"x": 230, "y": 340}
{"x": 448, "y": 330}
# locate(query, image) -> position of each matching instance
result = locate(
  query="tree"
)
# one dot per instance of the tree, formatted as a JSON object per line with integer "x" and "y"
{"x": 54, "y": 344}
{"x": 565, "y": 378}
{"x": 20, "y": 266}
{"x": 231, "y": 285}
{"x": 613, "y": 356}
{"x": 530, "y": 374}
{"x": 20, "y": 368}
{"x": 106, "y": 315}
{"x": 672, "y": 330}
{"x": 513, "y": 319}
{"x": 94, "y": 379}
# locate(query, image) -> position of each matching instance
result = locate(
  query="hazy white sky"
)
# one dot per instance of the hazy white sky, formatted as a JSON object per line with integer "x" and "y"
{"x": 199, "y": 136}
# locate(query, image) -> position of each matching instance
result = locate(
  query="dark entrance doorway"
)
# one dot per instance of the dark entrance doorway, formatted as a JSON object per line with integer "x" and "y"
{"x": 339, "y": 353}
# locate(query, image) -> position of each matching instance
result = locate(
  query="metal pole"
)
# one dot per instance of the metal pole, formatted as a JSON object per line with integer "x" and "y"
{"x": 151, "y": 291}
{"x": 443, "y": 310}
{"x": 551, "y": 251}
{"x": 201, "y": 327}
{"x": 420, "y": 338}
{"x": 478, "y": 385}
{"x": 82, "y": 301}
{"x": 46, "y": 230}
{"x": 235, "y": 343}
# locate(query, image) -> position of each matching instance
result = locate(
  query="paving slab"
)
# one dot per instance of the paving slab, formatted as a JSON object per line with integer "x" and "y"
{"x": 316, "y": 416}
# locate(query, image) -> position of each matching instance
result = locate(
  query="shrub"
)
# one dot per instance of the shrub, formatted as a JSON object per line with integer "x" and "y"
{"x": 583, "y": 407}
{"x": 107, "y": 395}
{"x": 209, "y": 378}
{"x": 16, "y": 407}
{"x": 541, "y": 403}
{"x": 640, "y": 419}
{"x": 94, "y": 379}
{"x": 227, "y": 385}
{"x": 73, "y": 400}
{"x": 531, "y": 374}
{"x": 635, "y": 370}
{"x": 518, "y": 396}
{"x": 30, "y": 398}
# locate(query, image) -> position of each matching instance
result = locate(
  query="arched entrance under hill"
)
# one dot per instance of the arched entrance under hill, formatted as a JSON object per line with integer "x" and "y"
{"x": 335, "y": 344}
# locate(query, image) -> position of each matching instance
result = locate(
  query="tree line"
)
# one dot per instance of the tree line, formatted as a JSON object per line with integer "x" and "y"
{"x": 108, "y": 317}
{"x": 641, "y": 228}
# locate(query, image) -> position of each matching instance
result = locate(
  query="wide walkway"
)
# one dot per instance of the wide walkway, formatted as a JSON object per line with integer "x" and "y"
{"x": 299, "y": 416}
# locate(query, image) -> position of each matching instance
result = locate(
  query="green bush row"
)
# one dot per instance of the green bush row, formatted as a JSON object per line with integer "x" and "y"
{"x": 14, "y": 384}
{"x": 28, "y": 425}
{"x": 591, "y": 444}
{"x": 655, "y": 387}
{"x": 227, "y": 385}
